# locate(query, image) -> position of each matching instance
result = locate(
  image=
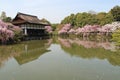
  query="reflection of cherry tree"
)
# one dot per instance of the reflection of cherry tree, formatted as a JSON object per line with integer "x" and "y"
{"x": 107, "y": 45}
{"x": 90, "y": 49}
{"x": 94, "y": 44}
{"x": 64, "y": 42}
{"x": 87, "y": 43}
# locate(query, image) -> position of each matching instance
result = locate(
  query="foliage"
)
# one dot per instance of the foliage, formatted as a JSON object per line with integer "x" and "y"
{"x": 54, "y": 26}
{"x": 116, "y": 36}
{"x": 7, "y": 19}
{"x": 82, "y": 19}
{"x": 45, "y": 21}
{"x": 104, "y": 18}
{"x": 70, "y": 19}
{"x": 116, "y": 13}
{"x": 18, "y": 33}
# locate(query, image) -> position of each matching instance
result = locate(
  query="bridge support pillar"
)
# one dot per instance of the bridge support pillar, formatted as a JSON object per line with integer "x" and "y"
{"x": 25, "y": 31}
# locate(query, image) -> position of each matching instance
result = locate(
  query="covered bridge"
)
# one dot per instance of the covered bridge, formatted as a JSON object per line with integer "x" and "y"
{"x": 30, "y": 25}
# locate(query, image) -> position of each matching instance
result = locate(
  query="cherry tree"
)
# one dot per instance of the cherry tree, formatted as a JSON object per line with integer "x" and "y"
{"x": 65, "y": 29}
{"x": 5, "y": 33}
{"x": 72, "y": 31}
{"x": 8, "y": 32}
{"x": 48, "y": 29}
{"x": 87, "y": 30}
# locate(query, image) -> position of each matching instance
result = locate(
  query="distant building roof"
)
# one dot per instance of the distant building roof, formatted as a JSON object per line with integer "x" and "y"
{"x": 26, "y": 18}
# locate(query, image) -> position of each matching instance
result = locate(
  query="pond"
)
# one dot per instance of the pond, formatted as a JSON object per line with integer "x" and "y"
{"x": 60, "y": 59}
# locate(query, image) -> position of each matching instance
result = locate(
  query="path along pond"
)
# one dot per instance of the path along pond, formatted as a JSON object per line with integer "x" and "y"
{"x": 60, "y": 59}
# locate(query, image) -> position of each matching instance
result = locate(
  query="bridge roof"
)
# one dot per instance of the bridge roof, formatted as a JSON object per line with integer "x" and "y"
{"x": 23, "y": 18}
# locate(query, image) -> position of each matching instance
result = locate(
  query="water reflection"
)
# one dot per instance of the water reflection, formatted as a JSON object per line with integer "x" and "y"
{"x": 24, "y": 52}
{"x": 7, "y": 52}
{"x": 33, "y": 50}
{"x": 82, "y": 48}
{"x": 64, "y": 59}
{"x": 91, "y": 49}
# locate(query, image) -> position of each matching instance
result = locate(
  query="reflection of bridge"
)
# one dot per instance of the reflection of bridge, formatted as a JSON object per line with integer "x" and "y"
{"x": 29, "y": 55}
{"x": 24, "y": 52}
{"x": 32, "y": 50}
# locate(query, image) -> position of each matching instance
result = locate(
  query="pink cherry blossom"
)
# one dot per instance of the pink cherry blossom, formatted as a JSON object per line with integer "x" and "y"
{"x": 65, "y": 29}
{"x": 5, "y": 33}
{"x": 71, "y": 31}
{"x": 48, "y": 29}
{"x": 87, "y": 30}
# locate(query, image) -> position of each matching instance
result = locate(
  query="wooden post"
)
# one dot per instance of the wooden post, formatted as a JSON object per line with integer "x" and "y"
{"x": 25, "y": 31}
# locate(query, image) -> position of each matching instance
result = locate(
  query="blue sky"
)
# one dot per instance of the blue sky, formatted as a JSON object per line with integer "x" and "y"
{"x": 55, "y": 10}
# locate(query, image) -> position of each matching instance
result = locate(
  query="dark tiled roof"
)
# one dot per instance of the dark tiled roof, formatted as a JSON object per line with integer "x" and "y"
{"x": 29, "y": 18}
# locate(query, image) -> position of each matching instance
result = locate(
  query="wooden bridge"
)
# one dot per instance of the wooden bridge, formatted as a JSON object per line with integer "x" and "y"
{"x": 30, "y": 24}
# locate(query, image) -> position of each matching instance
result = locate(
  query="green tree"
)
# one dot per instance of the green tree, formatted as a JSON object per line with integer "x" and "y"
{"x": 85, "y": 18}
{"x": 108, "y": 18}
{"x": 7, "y": 19}
{"x": 54, "y": 26}
{"x": 80, "y": 19}
{"x": 104, "y": 18}
{"x": 91, "y": 18}
{"x": 116, "y": 36}
{"x": 101, "y": 18}
{"x": 69, "y": 19}
{"x": 116, "y": 13}
{"x": 45, "y": 21}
